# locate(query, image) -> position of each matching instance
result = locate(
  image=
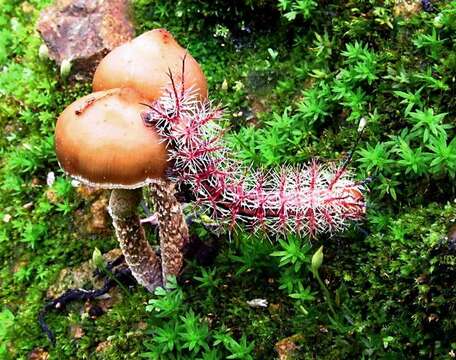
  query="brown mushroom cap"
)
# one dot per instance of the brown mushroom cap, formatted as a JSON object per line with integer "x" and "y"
{"x": 101, "y": 140}
{"x": 142, "y": 64}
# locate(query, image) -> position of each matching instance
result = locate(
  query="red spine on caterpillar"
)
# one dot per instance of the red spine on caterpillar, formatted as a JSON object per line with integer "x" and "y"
{"x": 309, "y": 199}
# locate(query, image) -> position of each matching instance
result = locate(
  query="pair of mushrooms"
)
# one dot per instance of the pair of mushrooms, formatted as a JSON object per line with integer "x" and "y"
{"x": 101, "y": 141}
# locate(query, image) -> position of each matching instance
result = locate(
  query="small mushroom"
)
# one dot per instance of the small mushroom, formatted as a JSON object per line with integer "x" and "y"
{"x": 101, "y": 141}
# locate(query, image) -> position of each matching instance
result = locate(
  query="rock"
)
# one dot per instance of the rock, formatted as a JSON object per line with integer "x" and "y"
{"x": 76, "y": 332}
{"x": 19, "y": 265}
{"x": 94, "y": 217}
{"x": 451, "y": 236}
{"x": 141, "y": 325}
{"x": 98, "y": 220}
{"x": 28, "y": 205}
{"x": 51, "y": 195}
{"x": 107, "y": 302}
{"x": 38, "y": 354}
{"x": 79, "y": 276}
{"x": 286, "y": 348}
{"x": 84, "y": 31}
{"x": 258, "y": 303}
{"x": 89, "y": 193}
{"x": 406, "y": 8}
{"x": 36, "y": 182}
{"x": 27, "y": 7}
{"x": 103, "y": 346}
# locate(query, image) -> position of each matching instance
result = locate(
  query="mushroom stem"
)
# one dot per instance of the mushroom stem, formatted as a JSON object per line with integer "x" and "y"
{"x": 139, "y": 256}
{"x": 173, "y": 229}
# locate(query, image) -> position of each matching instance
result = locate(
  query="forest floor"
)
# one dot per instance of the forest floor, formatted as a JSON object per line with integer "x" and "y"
{"x": 295, "y": 78}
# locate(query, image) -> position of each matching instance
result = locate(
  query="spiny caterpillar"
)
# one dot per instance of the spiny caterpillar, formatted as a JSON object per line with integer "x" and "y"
{"x": 309, "y": 199}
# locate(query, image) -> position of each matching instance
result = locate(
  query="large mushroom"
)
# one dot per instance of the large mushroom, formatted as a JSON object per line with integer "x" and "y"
{"x": 100, "y": 140}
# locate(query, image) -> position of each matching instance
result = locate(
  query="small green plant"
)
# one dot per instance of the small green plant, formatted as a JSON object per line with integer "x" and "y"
{"x": 443, "y": 155}
{"x": 383, "y": 16}
{"x": 209, "y": 280}
{"x": 7, "y": 321}
{"x": 315, "y": 105}
{"x": 252, "y": 253}
{"x": 241, "y": 349}
{"x": 317, "y": 261}
{"x": 295, "y": 261}
{"x": 294, "y": 253}
{"x": 177, "y": 332}
{"x": 295, "y": 8}
{"x": 282, "y": 139}
{"x": 412, "y": 160}
{"x": 374, "y": 158}
{"x": 410, "y": 99}
{"x": 431, "y": 42}
{"x": 100, "y": 264}
{"x": 426, "y": 123}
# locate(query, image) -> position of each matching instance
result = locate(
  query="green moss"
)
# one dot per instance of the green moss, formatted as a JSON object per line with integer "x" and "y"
{"x": 293, "y": 89}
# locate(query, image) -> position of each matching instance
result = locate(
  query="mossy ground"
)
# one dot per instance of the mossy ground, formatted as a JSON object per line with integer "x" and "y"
{"x": 293, "y": 89}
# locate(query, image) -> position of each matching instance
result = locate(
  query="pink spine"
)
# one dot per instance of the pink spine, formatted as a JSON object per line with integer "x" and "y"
{"x": 309, "y": 199}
